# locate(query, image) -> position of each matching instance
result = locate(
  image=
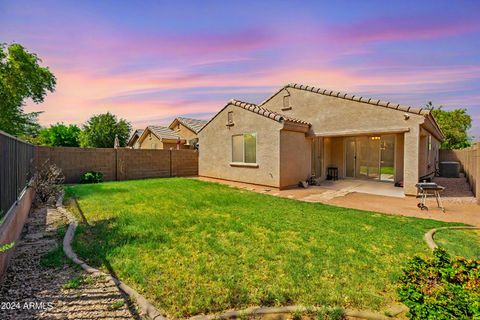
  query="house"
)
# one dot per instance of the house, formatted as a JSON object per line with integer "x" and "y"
{"x": 158, "y": 137}
{"x": 133, "y": 141}
{"x": 302, "y": 131}
{"x": 188, "y": 128}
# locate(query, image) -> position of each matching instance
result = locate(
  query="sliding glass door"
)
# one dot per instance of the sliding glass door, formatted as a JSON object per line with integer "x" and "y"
{"x": 370, "y": 158}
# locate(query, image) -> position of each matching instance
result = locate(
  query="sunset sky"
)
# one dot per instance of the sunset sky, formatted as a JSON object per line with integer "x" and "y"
{"x": 151, "y": 61}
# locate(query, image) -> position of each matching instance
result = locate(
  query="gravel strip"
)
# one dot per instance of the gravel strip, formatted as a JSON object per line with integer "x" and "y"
{"x": 32, "y": 291}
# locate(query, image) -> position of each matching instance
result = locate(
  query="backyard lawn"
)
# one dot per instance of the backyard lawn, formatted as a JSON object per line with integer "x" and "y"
{"x": 195, "y": 247}
{"x": 464, "y": 243}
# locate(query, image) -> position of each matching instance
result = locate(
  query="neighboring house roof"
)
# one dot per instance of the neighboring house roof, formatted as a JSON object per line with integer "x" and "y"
{"x": 135, "y": 135}
{"x": 164, "y": 133}
{"x": 195, "y": 125}
{"x": 261, "y": 111}
{"x": 340, "y": 95}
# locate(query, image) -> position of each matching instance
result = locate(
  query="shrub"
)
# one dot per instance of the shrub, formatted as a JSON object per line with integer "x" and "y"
{"x": 441, "y": 287}
{"x": 48, "y": 183}
{"x": 91, "y": 177}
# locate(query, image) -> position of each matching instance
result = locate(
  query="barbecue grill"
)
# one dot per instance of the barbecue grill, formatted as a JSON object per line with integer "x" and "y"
{"x": 429, "y": 189}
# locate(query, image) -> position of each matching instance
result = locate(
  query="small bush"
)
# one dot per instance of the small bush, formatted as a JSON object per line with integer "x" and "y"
{"x": 48, "y": 183}
{"x": 441, "y": 287}
{"x": 91, "y": 177}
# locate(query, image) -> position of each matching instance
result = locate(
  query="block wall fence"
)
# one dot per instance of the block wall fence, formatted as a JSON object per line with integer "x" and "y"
{"x": 469, "y": 159}
{"x": 120, "y": 164}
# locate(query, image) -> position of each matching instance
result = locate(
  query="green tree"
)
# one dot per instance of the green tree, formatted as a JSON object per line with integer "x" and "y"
{"x": 60, "y": 135}
{"x": 454, "y": 124}
{"x": 100, "y": 131}
{"x": 21, "y": 78}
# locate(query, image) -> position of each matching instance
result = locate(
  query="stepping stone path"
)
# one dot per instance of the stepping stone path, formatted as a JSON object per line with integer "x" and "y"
{"x": 32, "y": 291}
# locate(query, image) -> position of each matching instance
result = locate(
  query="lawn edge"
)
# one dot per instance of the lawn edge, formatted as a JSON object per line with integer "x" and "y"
{"x": 431, "y": 233}
{"x": 146, "y": 307}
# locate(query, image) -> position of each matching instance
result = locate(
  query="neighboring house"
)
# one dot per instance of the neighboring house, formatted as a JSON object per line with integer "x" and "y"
{"x": 302, "y": 131}
{"x": 158, "y": 137}
{"x": 133, "y": 141}
{"x": 188, "y": 128}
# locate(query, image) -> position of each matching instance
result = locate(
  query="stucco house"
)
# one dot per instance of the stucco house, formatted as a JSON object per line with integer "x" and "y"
{"x": 302, "y": 131}
{"x": 158, "y": 137}
{"x": 133, "y": 141}
{"x": 187, "y": 128}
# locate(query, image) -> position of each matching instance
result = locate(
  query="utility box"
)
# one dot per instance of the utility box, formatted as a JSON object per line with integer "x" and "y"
{"x": 450, "y": 169}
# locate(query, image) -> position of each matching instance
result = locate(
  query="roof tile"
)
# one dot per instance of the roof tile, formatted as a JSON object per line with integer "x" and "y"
{"x": 377, "y": 102}
{"x": 267, "y": 113}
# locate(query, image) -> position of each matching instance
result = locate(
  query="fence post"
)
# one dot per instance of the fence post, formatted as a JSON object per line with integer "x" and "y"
{"x": 170, "y": 159}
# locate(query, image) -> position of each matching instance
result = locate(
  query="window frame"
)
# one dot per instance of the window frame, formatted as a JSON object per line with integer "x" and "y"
{"x": 243, "y": 149}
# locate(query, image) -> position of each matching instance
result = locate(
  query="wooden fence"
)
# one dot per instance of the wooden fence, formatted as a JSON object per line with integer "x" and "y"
{"x": 469, "y": 159}
{"x": 16, "y": 168}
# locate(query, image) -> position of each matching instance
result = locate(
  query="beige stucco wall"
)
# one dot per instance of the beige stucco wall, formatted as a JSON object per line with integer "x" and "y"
{"x": 149, "y": 141}
{"x": 215, "y": 154}
{"x": 295, "y": 158}
{"x": 428, "y": 158}
{"x": 184, "y": 132}
{"x": 399, "y": 155}
{"x": 334, "y": 115}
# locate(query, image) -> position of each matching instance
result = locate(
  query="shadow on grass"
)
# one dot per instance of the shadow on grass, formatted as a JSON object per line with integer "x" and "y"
{"x": 91, "y": 244}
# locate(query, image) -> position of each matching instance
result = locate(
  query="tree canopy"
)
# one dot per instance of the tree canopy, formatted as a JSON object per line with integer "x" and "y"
{"x": 100, "y": 131}
{"x": 59, "y": 135}
{"x": 21, "y": 78}
{"x": 454, "y": 124}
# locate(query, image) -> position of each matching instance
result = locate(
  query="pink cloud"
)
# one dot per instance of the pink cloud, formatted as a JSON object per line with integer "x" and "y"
{"x": 384, "y": 29}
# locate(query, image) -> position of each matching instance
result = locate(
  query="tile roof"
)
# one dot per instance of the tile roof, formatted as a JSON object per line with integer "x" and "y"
{"x": 267, "y": 113}
{"x": 346, "y": 96}
{"x": 193, "y": 124}
{"x": 164, "y": 132}
{"x": 136, "y": 133}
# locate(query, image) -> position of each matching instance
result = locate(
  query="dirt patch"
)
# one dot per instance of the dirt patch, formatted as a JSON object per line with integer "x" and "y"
{"x": 41, "y": 283}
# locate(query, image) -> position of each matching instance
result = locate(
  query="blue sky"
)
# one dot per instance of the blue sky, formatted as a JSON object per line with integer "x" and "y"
{"x": 151, "y": 61}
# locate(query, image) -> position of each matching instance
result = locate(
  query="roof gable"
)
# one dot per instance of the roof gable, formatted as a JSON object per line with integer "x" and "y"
{"x": 194, "y": 125}
{"x": 260, "y": 111}
{"x": 162, "y": 133}
{"x": 134, "y": 137}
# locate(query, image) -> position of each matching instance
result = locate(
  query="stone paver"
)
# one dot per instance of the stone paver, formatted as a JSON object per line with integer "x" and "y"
{"x": 30, "y": 291}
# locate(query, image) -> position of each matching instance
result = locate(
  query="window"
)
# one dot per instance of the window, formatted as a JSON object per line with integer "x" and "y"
{"x": 230, "y": 118}
{"x": 244, "y": 148}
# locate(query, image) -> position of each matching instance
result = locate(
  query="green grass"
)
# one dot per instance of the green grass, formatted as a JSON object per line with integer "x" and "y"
{"x": 195, "y": 247}
{"x": 74, "y": 283}
{"x": 464, "y": 243}
{"x": 55, "y": 258}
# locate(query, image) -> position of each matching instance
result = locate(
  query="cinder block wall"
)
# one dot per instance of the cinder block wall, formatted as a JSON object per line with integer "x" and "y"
{"x": 75, "y": 161}
{"x": 120, "y": 164}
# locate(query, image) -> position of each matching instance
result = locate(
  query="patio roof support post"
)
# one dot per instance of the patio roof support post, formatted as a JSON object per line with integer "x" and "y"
{"x": 411, "y": 160}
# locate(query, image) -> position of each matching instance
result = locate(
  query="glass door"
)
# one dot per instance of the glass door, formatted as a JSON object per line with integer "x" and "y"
{"x": 387, "y": 158}
{"x": 350, "y": 157}
{"x": 371, "y": 158}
